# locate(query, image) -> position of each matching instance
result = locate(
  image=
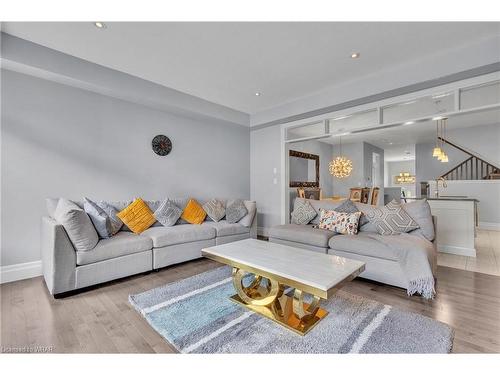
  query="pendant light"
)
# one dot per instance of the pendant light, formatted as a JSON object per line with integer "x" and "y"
{"x": 340, "y": 167}
{"x": 437, "y": 150}
{"x": 444, "y": 158}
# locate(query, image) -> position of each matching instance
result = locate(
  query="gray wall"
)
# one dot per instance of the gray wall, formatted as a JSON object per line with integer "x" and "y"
{"x": 484, "y": 141}
{"x": 62, "y": 141}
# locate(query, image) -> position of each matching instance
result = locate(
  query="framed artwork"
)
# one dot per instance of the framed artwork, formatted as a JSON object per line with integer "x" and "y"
{"x": 355, "y": 194}
{"x": 301, "y": 193}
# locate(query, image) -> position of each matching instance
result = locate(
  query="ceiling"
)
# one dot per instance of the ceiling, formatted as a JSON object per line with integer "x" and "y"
{"x": 398, "y": 140}
{"x": 227, "y": 63}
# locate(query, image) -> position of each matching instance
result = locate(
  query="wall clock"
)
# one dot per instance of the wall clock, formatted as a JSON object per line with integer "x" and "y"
{"x": 161, "y": 145}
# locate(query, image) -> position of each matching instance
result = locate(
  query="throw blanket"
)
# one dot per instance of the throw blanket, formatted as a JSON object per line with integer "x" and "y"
{"x": 413, "y": 251}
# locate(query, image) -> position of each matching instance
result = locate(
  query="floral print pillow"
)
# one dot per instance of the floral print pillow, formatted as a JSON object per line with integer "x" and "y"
{"x": 340, "y": 222}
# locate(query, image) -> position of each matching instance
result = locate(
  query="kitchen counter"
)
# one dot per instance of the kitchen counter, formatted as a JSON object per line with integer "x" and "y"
{"x": 463, "y": 199}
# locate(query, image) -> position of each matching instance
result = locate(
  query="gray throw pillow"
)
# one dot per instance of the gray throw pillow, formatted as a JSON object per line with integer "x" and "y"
{"x": 235, "y": 211}
{"x": 215, "y": 209}
{"x": 112, "y": 209}
{"x": 420, "y": 211}
{"x": 77, "y": 224}
{"x": 303, "y": 213}
{"x": 247, "y": 220}
{"x": 99, "y": 217}
{"x": 349, "y": 207}
{"x": 391, "y": 219}
{"x": 167, "y": 213}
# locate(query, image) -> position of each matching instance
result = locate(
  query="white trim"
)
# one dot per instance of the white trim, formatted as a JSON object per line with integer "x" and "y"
{"x": 488, "y": 226}
{"x": 20, "y": 271}
{"x": 457, "y": 250}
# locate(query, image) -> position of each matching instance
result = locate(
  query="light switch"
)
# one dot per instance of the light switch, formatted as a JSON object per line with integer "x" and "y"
{"x": 275, "y": 181}
{"x": 275, "y": 170}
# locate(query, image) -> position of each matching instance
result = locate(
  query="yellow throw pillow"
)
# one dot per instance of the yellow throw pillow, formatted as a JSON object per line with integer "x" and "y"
{"x": 193, "y": 213}
{"x": 137, "y": 216}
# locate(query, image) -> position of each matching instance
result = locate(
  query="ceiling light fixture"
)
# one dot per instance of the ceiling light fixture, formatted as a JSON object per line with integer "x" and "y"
{"x": 409, "y": 122}
{"x": 355, "y": 55}
{"x": 257, "y": 94}
{"x": 340, "y": 167}
{"x": 100, "y": 25}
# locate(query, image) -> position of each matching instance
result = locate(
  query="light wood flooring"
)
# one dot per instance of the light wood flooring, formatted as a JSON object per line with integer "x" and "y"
{"x": 487, "y": 258}
{"x": 101, "y": 320}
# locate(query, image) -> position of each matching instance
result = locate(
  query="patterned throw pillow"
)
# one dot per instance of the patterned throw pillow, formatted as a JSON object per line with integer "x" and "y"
{"x": 167, "y": 213}
{"x": 137, "y": 216}
{"x": 215, "y": 209}
{"x": 339, "y": 222}
{"x": 99, "y": 217}
{"x": 112, "y": 212}
{"x": 303, "y": 213}
{"x": 349, "y": 207}
{"x": 391, "y": 219}
{"x": 235, "y": 211}
{"x": 193, "y": 213}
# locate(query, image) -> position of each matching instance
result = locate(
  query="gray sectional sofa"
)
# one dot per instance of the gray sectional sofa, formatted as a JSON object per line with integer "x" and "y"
{"x": 383, "y": 259}
{"x": 126, "y": 253}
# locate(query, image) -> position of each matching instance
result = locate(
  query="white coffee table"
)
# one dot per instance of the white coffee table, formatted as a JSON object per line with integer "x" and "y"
{"x": 282, "y": 266}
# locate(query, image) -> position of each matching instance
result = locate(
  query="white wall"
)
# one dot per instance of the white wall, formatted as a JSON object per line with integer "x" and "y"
{"x": 265, "y": 183}
{"x": 484, "y": 141}
{"x": 396, "y": 167}
{"x": 63, "y": 141}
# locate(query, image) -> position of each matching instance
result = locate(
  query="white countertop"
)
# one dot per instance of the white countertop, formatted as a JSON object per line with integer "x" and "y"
{"x": 320, "y": 271}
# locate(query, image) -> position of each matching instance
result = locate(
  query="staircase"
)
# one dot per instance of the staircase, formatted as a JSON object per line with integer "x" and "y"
{"x": 473, "y": 168}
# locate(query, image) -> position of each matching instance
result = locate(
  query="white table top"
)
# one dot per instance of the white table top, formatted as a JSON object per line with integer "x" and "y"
{"x": 317, "y": 273}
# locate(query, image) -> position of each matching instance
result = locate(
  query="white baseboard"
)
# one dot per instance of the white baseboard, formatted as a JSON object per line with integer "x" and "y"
{"x": 20, "y": 271}
{"x": 263, "y": 231}
{"x": 484, "y": 225}
{"x": 457, "y": 250}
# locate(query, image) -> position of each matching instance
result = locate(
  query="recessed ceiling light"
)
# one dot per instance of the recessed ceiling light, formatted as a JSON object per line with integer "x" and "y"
{"x": 258, "y": 94}
{"x": 100, "y": 25}
{"x": 355, "y": 55}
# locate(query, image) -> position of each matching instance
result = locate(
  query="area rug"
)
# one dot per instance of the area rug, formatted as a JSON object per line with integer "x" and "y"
{"x": 196, "y": 316}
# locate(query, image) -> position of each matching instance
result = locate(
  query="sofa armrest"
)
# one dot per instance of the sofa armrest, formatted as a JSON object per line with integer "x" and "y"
{"x": 58, "y": 257}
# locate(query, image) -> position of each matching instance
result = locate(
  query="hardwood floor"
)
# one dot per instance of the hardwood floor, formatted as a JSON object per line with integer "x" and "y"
{"x": 487, "y": 258}
{"x": 101, "y": 320}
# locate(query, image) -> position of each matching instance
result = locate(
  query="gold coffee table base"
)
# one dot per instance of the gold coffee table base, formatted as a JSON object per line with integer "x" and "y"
{"x": 270, "y": 302}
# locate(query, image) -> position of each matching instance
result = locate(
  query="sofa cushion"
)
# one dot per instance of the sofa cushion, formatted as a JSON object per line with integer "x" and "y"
{"x": 223, "y": 228}
{"x": 420, "y": 211}
{"x": 178, "y": 234}
{"x": 235, "y": 211}
{"x": 122, "y": 243}
{"x": 340, "y": 222}
{"x": 392, "y": 219}
{"x": 112, "y": 212}
{"x": 167, "y": 213}
{"x": 247, "y": 220}
{"x": 99, "y": 217}
{"x": 367, "y": 244}
{"x": 137, "y": 216}
{"x": 318, "y": 205}
{"x": 77, "y": 224}
{"x": 305, "y": 234}
{"x": 193, "y": 212}
{"x": 302, "y": 213}
{"x": 349, "y": 207}
{"x": 215, "y": 209}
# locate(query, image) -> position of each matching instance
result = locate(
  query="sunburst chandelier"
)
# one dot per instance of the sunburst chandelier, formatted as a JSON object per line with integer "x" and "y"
{"x": 340, "y": 167}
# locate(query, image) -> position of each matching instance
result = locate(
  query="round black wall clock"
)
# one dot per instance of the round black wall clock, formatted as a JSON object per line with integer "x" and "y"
{"x": 161, "y": 145}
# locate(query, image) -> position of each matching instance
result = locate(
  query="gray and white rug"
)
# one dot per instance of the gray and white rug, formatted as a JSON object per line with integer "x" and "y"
{"x": 196, "y": 316}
